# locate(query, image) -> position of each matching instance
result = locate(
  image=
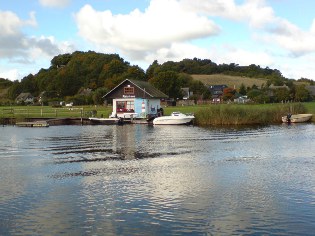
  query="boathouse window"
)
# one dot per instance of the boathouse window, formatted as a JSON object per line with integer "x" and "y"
{"x": 130, "y": 105}
{"x": 129, "y": 90}
{"x": 125, "y": 106}
{"x": 120, "y": 106}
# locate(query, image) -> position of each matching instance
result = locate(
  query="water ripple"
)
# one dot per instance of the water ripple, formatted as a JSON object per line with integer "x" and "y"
{"x": 147, "y": 180}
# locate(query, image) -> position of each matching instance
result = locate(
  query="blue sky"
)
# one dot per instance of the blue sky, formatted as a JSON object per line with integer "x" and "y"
{"x": 279, "y": 34}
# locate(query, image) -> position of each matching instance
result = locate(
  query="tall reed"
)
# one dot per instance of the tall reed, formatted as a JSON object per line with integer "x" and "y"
{"x": 234, "y": 114}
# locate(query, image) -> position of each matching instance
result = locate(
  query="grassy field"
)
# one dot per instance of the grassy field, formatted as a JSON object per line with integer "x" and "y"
{"x": 310, "y": 107}
{"x": 230, "y": 81}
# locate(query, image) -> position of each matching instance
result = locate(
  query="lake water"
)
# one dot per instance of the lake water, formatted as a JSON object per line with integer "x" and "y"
{"x": 164, "y": 180}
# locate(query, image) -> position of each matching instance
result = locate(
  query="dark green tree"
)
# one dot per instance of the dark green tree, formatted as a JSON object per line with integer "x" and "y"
{"x": 242, "y": 89}
{"x": 150, "y": 72}
{"x": 15, "y": 90}
{"x": 135, "y": 72}
{"x": 302, "y": 94}
{"x": 281, "y": 94}
{"x": 60, "y": 60}
{"x": 29, "y": 85}
{"x": 5, "y": 83}
{"x": 167, "y": 82}
{"x": 98, "y": 95}
{"x": 258, "y": 96}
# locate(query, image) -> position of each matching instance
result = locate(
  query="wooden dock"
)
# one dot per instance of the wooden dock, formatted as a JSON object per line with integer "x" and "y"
{"x": 32, "y": 124}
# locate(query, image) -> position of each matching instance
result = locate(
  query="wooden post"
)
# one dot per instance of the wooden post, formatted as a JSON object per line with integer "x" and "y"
{"x": 81, "y": 116}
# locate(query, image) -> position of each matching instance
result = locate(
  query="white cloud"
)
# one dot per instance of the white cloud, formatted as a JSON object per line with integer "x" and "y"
{"x": 255, "y": 12}
{"x": 23, "y": 51}
{"x": 162, "y": 24}
{"x": 291, "y": 38}
{"x": 15, "y": 45}
{"x": 10, "y": 74}
{"x": 262, "y": 20}
{"x": 55, "y": 3}
{"x": 297, "y": 67}
{"x": 12, "y": 41}
{"x": 10, "y": 23}
{"x": 242, "y": 57}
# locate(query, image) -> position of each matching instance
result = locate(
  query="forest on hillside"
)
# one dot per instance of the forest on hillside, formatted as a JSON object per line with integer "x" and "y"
{"x": 69, "y": 75}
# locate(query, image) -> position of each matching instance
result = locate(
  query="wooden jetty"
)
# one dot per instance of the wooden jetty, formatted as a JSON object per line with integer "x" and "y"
{"x": 32, "y": 124}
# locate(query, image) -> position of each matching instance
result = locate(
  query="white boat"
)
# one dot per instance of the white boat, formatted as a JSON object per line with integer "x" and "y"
{"x": 298, "y": 118}
{"x": 176, "y": 118}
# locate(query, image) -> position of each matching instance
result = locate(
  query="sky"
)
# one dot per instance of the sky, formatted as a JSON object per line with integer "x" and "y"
{"x": 279, "y": 34}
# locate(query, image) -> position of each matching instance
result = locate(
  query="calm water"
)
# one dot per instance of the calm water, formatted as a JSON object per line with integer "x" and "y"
{"x": 145, "y": 180}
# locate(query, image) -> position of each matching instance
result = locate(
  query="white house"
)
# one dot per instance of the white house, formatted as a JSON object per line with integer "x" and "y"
{"x": 26, "y": 98}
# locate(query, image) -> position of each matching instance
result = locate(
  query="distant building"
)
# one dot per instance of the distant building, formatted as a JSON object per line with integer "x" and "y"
{"x": 186, "y": 93}
{"x": 26, "y": 98}
{"x": 273, "y": 87}
{"x": 242, "y": 99}
{"x": 135, "y": 98}
{"x": 85, "y": 92}
{"x": 217, "y": 92}
{"x": 217, "y": 88}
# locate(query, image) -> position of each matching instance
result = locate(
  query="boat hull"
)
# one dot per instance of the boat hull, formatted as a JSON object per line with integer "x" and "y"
{"x": 174, "y": 119}
{"x": 299, "y": 118}
{"x": 104, "y": 121}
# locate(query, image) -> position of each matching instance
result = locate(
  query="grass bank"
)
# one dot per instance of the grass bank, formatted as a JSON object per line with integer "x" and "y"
{"x": 22, "y": 112}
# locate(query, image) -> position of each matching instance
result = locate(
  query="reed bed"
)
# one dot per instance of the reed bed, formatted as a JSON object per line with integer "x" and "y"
{"x": 232, "y": 114}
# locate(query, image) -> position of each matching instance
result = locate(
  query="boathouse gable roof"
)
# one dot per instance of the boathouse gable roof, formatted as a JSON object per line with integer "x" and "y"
{"x": 142, "y": 89}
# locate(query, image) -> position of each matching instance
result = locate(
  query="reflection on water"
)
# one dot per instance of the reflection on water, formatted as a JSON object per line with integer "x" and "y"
{"x": 147, "y": 180}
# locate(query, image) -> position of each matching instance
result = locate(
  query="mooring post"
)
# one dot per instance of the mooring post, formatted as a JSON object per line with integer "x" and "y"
{"x": 81, "y": 116}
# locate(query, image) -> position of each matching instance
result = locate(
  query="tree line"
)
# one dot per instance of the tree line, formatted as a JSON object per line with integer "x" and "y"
{"x": 70, "y": 74}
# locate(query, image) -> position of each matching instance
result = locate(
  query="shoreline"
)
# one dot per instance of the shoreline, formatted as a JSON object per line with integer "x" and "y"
{"x": 210, "y": 115}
